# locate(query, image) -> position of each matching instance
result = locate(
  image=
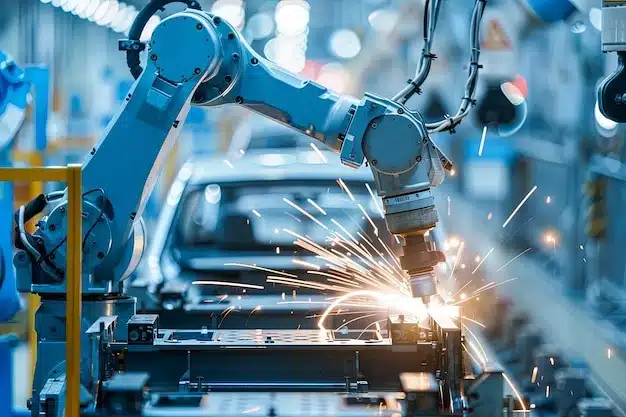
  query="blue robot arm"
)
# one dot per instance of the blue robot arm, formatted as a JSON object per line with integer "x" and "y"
{"x": 198, "y": 59}
{"x": 14, "y": 98}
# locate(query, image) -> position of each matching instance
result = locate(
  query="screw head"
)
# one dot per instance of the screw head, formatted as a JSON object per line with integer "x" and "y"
{"x": 153, "y": 57}
{"x": 197, "y": 70}
{"x": 418, "y": 159}
{"x": 100, "y": 255}
{"x": 400, "y": 111}
{"x": 228, "y": 79}
{"x": 374, "y": 125}
{"x": 199, "y": 26}
{"x": 235, "y": 57}
{"x": 238, "y": 99}
{"x": 254, "y": 61}
{"x": 217, "y": 20}
{"x": 374, "y": 162}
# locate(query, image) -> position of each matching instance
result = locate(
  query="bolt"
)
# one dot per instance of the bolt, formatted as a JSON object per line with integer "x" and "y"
{"x": 400, "y": 111}
{"x": 238, "y": 99}
{"x": 424, "y": 140}
{"x": 374, "y": 162}
{"x": 418, "y": 159}
{"x": 62, "y": 209}
{"x": 153, "y": 57}
{"x": 197, "y": 70}
{"x": 231, "y": 36}
{"x": 254, "y": 61}
{"x": 228, "y": 79}
{"x": 235, "y": 57}
{"x": 374, "y": 125}
{"x": 199, "y": 26}
{"x": 217, "y": 20}
{"x": 100, "y": 255}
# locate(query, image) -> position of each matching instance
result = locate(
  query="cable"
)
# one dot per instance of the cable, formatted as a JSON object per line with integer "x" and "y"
{"x": 431, "y": 15}
{"x": 467, "y": 102}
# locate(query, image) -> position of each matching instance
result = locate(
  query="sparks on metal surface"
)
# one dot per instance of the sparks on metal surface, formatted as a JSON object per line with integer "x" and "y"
{"x": 456, "y": 261}
{"x": 345, "y": 188}
{"x": 319, "y": 153}
{"x": 375, "y": 200}
{"x": 482, "y": 260}
{"x": 306, "y": 213}
{"x": 317, "y": 206}
{"x": 229, "y": 284}
{"x": 512, "y": 260}
{"x": 530, "y": 193}
{"x": 482, "y": 141}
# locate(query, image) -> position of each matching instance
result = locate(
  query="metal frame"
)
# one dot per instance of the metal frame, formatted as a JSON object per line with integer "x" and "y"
{"x": 72, "y": 175}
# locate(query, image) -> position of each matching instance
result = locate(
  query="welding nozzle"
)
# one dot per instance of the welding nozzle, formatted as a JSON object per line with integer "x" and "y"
{"x": 423, "y": 285}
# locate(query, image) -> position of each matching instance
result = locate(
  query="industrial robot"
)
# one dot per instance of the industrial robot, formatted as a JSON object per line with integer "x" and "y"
{"x": 198, "y": 59}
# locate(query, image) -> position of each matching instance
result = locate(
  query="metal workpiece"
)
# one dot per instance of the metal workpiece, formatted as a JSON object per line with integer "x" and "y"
{"x": 485, "y": 393}
{"x": 422, "y": 393}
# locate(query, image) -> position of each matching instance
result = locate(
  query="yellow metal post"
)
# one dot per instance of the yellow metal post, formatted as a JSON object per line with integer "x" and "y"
{"x": 35, "y": 188}
{"x": 73, "y": 291}
{"x": 72, "y": 175}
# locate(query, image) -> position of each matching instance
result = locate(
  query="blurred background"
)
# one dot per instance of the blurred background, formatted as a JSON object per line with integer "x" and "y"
{"x": 537, "y": 192}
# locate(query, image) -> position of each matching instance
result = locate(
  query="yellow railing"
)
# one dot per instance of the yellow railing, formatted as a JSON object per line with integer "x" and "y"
{"x": 72, "y": 176}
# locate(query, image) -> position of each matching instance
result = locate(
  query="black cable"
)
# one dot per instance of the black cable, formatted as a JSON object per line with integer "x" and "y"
{"x": 133, "y": 45}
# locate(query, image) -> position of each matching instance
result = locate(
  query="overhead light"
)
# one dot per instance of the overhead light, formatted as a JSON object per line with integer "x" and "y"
{"x": 334, "y": 77}
{"x": 81, "y": 7}
{"x": 260, "y": 26}
{"x": 383, "y": 20}
{"x": 129, "y": 21}
{"x": 292, "y": 62}
{"x": 232, "y": 11}
{"x": 151, "y": 24}
{"x": 292, "y": 16}
{"x": 90, "y": 9}
{"x": 70, "y": 5}
{"x": 345, "y": 43}
{"x": 106, "y": 20}
{"x": 119, "y": 23}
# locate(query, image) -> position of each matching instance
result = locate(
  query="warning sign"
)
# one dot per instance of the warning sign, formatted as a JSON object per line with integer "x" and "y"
{"x": 495, "y": 38}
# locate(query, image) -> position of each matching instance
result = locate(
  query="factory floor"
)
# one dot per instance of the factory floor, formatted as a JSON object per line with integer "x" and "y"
{"x": 565, "y": 321}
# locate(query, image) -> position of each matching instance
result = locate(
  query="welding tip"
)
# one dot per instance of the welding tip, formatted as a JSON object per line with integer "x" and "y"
{"x": 423, "y": 285}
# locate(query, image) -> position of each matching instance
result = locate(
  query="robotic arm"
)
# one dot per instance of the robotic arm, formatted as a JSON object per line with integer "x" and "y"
{"x": 198, "y": 59}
